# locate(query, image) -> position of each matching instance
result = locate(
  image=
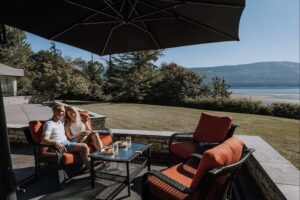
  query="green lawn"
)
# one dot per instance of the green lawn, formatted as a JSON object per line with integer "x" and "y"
{"x": 281, "y": 133}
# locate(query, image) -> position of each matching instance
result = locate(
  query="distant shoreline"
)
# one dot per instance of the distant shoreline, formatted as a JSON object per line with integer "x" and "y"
{"x": 268, "y": 95}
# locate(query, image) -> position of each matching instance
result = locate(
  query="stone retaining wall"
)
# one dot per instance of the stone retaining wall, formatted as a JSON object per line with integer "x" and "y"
{"x": 16, "y": 135}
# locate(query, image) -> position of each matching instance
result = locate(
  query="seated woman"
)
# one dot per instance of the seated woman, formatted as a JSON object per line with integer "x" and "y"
{"x": 78, "y": 128}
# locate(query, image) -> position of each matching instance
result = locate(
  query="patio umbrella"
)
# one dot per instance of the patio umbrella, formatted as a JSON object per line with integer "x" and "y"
{"x": 115, "y": 26}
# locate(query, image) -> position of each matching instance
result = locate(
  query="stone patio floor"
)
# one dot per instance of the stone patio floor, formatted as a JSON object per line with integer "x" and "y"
{"x": 46, "y": 186}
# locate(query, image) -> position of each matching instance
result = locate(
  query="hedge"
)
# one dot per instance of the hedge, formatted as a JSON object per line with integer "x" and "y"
{"x": 277, "y": 109}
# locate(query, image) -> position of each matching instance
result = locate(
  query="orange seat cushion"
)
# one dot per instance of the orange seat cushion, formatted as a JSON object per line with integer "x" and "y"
{"x": 181, "y": 173}
{"x": 71, "y": 158}
{"x": 106, "y": 139}
{"x": 212, "y": 128}
{"x": 222, "y": 155}
{"x": 183, "y": 149}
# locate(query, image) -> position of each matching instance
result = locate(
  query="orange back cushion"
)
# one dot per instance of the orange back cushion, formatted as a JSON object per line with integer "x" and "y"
{"x": 224, "y": 154}
{"x": 212, "y": 128}
{"x": 36, "y": 130}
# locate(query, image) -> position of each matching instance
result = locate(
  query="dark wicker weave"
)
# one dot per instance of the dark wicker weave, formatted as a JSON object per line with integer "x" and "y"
{"x": 63, "y": 171}
{"x": 216, "y": 184}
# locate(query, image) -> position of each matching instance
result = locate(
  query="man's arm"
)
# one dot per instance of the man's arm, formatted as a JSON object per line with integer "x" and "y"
{"x": 46, "y": 139}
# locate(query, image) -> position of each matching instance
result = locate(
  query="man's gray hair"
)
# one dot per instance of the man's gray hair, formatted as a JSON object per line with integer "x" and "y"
{"x": 56, "y": 106}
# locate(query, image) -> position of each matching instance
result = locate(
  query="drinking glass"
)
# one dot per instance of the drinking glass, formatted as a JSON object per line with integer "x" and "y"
{"x": 128, "y": 141}
{"x": 115, "y": 149}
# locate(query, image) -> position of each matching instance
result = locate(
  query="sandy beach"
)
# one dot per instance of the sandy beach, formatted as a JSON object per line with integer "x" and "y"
{"x": 268, "y": 98}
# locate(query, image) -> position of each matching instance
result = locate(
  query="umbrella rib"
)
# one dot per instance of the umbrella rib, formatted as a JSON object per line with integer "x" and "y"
{"x": 76, "y": 24}
{"x": 132, "y": 8}
{"x": 122, "y": 6}
{"x": 155, "y": 19}
{"x": 191, "y": 21}
{"x": 99, "y": 22}
{"x": 116, "y": 11}
{"x": 158, "y": 9}
{"x": 147, "y": 28}
{"x": 109, "y": 36}
{"x": 207, "y": 3}
{"x": 139, "y": 27}
{"x": 92, "y": 9}
{"x": 70, "y": 27}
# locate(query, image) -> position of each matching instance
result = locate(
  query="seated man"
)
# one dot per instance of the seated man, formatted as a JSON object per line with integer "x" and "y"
{"x": 54, "y": 134}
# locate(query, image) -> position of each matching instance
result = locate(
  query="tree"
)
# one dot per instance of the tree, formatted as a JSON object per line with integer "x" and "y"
{"x": 93, "y": 72}
{"x": 17, "y": 53}
{"x": 219, "y": 88}
{"x": 177, "y": 84}
{"x": 54, "y": 77}
{"x": 130, "y": 76}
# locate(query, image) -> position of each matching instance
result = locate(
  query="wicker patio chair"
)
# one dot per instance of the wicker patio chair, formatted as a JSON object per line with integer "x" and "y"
{"x": 211, "y": 131}
{"x": 66, "y": 164}
{"x": 211, "y": 179}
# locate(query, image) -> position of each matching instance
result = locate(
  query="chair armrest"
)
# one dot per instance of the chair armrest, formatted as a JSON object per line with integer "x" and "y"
{"x": 168, "y": 180}
{"x": 203, "y": 146}
{"x": 196, "y": 155}
{"x": 174, "y": 135}
{"x": 193, "y": 160}
{"x": 231, "y": 131}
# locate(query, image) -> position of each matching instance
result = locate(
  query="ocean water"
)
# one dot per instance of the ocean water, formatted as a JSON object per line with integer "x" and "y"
{"x": 268, "y": 94}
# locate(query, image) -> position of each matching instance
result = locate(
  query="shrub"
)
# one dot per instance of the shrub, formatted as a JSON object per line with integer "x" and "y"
{"x": 285, "y": 110}
{"x": 244, "y": 106}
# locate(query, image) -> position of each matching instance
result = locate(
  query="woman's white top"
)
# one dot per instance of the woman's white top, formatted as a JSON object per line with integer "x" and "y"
{"x": 76, "y": 129}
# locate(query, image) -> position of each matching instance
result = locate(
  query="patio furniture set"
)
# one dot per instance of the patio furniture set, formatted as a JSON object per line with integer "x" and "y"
{"x": 203, "y": 167}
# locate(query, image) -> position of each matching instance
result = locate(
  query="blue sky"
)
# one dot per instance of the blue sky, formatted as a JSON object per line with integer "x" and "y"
{"x": 269, "y": 31}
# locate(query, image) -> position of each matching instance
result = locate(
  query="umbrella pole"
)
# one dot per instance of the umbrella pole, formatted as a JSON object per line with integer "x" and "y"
{"x": 7, "y": 179}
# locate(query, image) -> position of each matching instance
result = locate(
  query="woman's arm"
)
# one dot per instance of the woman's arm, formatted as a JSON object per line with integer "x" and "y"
{"x": 69, "y": 133}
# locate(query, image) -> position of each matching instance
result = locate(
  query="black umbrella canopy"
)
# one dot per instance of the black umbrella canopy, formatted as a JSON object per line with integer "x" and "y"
{"x": 115, "y": 26}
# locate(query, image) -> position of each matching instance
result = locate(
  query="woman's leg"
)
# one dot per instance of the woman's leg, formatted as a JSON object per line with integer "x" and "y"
{"x": 96, "y": 141}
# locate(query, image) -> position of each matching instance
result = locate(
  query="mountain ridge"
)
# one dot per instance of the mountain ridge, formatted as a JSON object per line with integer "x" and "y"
{"x": 258, "y": 74}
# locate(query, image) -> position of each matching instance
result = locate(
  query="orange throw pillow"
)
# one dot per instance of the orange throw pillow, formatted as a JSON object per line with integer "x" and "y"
{"x": 36, "y": 131}
{"x": 222, "y": 155}
{"x": 212, "y": 128}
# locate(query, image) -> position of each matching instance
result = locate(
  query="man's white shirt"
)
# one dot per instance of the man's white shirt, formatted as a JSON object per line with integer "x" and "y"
{"x": 55, "y": 129}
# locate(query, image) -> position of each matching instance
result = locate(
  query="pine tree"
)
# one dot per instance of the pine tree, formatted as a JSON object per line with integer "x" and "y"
{"x": 219, "y": 88}
{"x": 130, "y": 76}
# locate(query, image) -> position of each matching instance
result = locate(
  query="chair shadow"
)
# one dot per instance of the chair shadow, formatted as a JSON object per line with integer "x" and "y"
{"x": 21, "y": 149}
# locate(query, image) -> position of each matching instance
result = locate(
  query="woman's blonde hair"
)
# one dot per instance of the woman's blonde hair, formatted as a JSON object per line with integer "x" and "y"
{"x": 78, "y": 118}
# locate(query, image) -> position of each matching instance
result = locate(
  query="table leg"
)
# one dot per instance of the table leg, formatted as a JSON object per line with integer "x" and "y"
{"x": 92, "y": 173}
{"x": 148, "y": 159}
{"x": 128, "y": 177}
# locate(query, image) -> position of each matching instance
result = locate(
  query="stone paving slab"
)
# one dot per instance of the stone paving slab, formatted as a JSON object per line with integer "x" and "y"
{"x": 290, "y": 191}
{"x": 21, "y": 114}
{"x": 18, "y": 115}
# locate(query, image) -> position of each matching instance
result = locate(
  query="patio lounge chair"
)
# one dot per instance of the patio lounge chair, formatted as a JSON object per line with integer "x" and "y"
{"x": 211, "y": 179}
{"x": 67, "y": 164}
{"x": 211, "y": 131}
